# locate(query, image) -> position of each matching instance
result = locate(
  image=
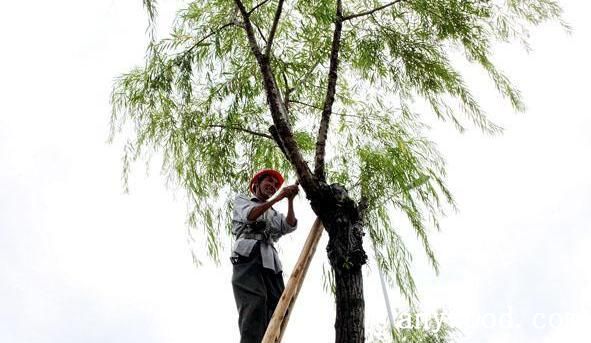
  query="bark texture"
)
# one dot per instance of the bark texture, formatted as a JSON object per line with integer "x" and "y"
{"x": 343, "y": 219}
{"x": 350, "y": 317}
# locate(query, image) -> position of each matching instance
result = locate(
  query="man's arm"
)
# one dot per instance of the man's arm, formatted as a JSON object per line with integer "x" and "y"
{"x": 291, "y": 219}
{"x": 259, "y": 210}
{"x": 288, "y": 192}
{"x": 280, "y": 224}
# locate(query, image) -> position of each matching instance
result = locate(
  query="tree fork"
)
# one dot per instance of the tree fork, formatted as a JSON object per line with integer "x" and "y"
{"x": 332, "y": 204}
{"x": 278, "y": 111}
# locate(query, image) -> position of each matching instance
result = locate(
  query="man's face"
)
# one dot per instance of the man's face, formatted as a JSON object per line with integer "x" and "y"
{"x": 267, "y": 187}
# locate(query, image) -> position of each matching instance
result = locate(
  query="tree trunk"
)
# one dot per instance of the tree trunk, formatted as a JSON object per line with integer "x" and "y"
{"x": 343, "y": 219}
{"x": 350, "y": 318}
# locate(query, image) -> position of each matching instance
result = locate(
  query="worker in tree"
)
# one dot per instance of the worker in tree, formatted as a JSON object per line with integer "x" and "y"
{"x": 257, "y": 279}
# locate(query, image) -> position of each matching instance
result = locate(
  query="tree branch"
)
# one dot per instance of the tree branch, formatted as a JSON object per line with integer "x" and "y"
{"x": 238, "y": 128}
{"x": 288, "y": 91}
{"x": 277, "y": 108}
{"x": 260, "y": 32}
{"x": 254, "y": 47}
{"x": 330, "y": 94}
{"x": 213, "y": 32}
{"x": 277, "y": 139}
{"x": 352, "y": 16}
{"x": 320, "y": 108}
{"x": 274, "y": 27}
{"x": 306, "y": 104}
{"x": 233, "y": 22}
{"x": 257, "y": 6}
{"x": 301, "y": 81}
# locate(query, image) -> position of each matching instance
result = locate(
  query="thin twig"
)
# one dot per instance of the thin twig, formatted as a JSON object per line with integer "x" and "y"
{"x": 260, "y": 32}
{"x": 257, "y": 6}
{"x": 320, "y": 109}
{"x": 233, "y": 22}
{"x": 352, "y": 16}
{"x": 210, "y": 34}
{"x": 238, "y": 128}
{"x": 308, "y": 73}
{"x": 367, "y": 116}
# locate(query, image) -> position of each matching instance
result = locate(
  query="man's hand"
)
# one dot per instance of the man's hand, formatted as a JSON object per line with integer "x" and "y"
{"x": 293, "y": 191}
{"x": 288, "y": 192}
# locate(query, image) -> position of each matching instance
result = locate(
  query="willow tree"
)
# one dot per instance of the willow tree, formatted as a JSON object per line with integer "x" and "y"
{"x": 328, "y": 92}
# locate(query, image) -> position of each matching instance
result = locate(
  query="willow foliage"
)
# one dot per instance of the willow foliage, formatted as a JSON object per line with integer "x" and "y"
{"x": 199, "y": 100}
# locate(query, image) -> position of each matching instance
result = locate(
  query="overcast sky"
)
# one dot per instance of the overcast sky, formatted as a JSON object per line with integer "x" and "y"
{"x": 82, "y": 262}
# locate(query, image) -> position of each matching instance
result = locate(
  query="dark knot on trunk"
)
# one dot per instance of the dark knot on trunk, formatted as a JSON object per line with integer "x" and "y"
{"x": 341, "y": 218}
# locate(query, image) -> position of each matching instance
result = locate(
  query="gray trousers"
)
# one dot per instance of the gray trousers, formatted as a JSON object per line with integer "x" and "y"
{"x": 257, "y": 291}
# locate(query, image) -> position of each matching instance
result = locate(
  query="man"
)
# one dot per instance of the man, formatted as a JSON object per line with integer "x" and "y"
{"x": 257, "y": 279}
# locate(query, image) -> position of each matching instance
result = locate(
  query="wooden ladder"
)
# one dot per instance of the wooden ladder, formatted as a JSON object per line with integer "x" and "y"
{"x": 276, "y": 327}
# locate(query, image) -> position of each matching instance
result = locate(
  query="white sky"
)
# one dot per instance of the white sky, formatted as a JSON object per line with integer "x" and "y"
{"x": 82, "y": 262}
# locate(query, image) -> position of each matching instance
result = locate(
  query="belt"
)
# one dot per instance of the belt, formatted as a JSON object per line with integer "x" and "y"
{"x": 257, "y": 236}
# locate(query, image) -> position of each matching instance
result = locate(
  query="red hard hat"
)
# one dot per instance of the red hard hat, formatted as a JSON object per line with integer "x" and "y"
{"x": 274, "y": 173}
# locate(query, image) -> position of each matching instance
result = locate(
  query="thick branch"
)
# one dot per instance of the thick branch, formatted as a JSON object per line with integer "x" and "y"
{"x": 330, "y": 94}
{"x": 277, "y": 139}
{"x": 238, "y": 128}
{"x": 352, "y": 16}
{"x": 277, "y": 108}
{"x": 254, "y": 47}
{"x": 274, "y": 27}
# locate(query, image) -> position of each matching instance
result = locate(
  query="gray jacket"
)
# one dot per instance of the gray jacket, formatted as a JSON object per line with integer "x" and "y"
{"x": 276, "y": 226}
